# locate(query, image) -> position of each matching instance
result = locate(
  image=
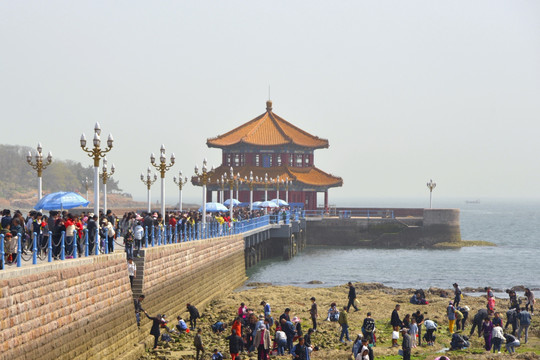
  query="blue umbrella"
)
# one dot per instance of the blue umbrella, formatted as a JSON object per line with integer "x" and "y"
{"x": 234, "y": 201}
{"x": 214, "y": 207}
{"x": 60, "y": 201}
{"x": 257, "y": 204}
{"x": 280, "y": 202}
{"x": 268, "y": 204}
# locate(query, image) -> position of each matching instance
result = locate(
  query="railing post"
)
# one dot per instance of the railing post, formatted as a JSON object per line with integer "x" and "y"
{"x": 75, "y": 234}
{"x": 19, "y": 250}
{"x": 176, "y": 233}
{"x": 159, "y": 234}
{"x": 34, "y": 249}
{"x": 86, "y": 243}
{"x": 106, "y": 241}
{"x": 146, "y": 237}
{"x": 2, "y": 253}
{"x": 152, "y": 235}
{"x": 96, "y": 243}
{"x": 63, "y": 246}
{"x": 49, "y": 246}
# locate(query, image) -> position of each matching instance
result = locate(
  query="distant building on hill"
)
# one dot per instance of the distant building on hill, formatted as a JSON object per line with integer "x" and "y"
{"x": 270, "y": 145}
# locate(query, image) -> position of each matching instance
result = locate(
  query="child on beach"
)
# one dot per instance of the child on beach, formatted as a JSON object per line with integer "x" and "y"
{"x": 413, "y": 331}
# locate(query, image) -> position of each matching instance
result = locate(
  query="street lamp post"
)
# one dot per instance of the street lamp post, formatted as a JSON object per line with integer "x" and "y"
{"x": 287, "y": 184}
{"x": 39, "y": 166}
{"x": 238, "y": 182}
{"x": 149, "y": 181}
{"x": 96, "y": 153}
{"x": 277, "y": 190}
{"x": 251, "y": 183}
{"x": 180, "y": 184}
{"x": 431, "y": 185}
{"x": 106, "y": 176}
{"x": 204, "y": 176}
{"x": 163, "y": 168}
{"x": 221, "y": 183}
{"x": 86, "y": 183}
{"x": 229, "y": 179}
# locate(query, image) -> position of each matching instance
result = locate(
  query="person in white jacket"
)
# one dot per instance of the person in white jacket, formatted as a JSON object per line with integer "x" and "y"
{"x": 497, "y": 338}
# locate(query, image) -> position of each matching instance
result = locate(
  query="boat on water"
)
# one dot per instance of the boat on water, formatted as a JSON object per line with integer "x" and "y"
{"x": 472, "y": 201}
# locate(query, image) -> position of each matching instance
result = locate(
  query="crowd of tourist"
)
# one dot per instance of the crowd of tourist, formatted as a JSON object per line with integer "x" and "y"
{"x": 84, "y": 231}
{"x": 259, "y": 331}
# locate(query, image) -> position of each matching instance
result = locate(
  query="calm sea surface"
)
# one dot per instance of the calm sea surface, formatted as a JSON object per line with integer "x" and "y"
{"x": 513, "y": 225}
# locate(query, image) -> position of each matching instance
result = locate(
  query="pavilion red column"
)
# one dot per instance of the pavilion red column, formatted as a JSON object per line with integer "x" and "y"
{"x": 326, "y": 201}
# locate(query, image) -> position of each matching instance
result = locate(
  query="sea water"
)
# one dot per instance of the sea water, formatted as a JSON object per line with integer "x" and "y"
{"x": 514, "y": 226}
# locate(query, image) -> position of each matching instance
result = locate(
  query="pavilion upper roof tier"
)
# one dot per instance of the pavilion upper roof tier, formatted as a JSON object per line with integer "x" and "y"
{"x": 268, "y": 129}
{"x": 309, "y": 176}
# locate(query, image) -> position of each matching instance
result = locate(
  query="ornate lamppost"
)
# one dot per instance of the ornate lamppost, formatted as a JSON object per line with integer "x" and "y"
{"x": 221, "y": 183}
{"x": 277, "y": 190}
{"x": 85, "y": 183}
{"x": 39, "y": 166}
{"x": 149, "y": 181}
{"x": 180, "y": 184}
{"x": 204, "y": 177}
{"x": 163, "y": 168}
{"x": 287, "y": 184}
{"x": 251, "y": 183}
{"x": 105, "y": 176}
{"x": 431, "y": 185}
{"x": 229, "y": 179}
{"x": 96, "y": 153}
{"x": 266, "y": 181}
{"x": 238, "y": 182}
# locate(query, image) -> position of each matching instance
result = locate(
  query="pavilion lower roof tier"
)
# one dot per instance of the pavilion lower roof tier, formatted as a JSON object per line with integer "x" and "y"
{"x": 266, "y": 130}
{"x": 305, "y": 176}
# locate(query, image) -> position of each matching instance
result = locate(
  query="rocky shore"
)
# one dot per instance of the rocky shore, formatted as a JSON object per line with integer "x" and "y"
{"x": 373, "y": 297}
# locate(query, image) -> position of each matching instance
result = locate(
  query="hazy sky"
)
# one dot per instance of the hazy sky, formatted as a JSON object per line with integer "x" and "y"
{"x": 405, "y": 91}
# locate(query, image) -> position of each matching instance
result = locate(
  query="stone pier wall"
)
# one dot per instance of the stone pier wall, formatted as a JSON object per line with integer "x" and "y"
{"x": 83, "y": 308}
{"x": 74, "y": 309}
{"x": 191, "y": 272}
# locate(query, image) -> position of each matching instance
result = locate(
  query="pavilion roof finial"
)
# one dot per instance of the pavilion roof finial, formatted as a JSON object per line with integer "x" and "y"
{"x": 269, "y": 105}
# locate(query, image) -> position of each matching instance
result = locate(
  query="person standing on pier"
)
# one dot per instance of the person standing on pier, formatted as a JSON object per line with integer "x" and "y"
{"x": 352, "y": 297}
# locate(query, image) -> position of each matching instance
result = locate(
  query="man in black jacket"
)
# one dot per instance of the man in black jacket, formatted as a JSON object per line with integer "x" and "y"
{"x": 92, "y": 232}
{"x": 396, "y": 323}
{"x": 352, "y": 297}
{"x": 193, "y": 316}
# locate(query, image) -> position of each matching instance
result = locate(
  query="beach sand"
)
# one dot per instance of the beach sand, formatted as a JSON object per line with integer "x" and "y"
{"x": 373, "y": 297}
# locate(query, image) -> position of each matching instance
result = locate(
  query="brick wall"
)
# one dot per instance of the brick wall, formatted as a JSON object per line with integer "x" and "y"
{"x": 83, "y": 308}
{"x": 80, "y": 308}
{"x": 193, "y": 272}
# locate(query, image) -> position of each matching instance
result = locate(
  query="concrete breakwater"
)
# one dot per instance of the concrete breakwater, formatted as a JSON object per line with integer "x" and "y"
{"x": 433, "y": 226}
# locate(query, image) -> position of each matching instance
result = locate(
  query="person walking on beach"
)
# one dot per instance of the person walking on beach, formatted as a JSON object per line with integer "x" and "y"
{"x": 289, "y": 330}
{"x": 487, "y": 329}
{"x": 451, "y": 314}
{"x": 530, "y": 300}
{"x": 199, "y": 346}
{"x": 156, "y": 323}
{"x": 313, "y": 313}
{"x": 457, "y": 295}
{"x": 396, "y": 323}
{"x": 193, "y": 316}
{"x": 478, "y": 320}
{"x": 235, "y": 342}
{"x": 344, "y": 325}
{"x": 262, "y": 342}
{"x": 352, "y": 297}
{"x": 431, "y": 327}
{"x": 368, "y": 327}
{"x": 406, "y": 344}
{"x": 524, "y": 322}
{"x": 419, "y": 318}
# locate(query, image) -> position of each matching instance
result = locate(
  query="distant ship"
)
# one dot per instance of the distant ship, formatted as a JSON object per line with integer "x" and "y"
{"x": 472, "y": 201}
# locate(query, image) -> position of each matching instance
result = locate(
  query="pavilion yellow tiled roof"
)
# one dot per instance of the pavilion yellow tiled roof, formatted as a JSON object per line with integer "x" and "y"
{"x": 268, "y": 129}
{"x": 310, "y": 176}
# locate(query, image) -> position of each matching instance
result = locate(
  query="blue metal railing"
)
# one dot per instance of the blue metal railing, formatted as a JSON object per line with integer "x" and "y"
{"x": 346, "y": 214}
{"x": 53, "y": 249}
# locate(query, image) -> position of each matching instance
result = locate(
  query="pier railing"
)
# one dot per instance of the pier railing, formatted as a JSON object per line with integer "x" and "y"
{"x": 346, "y": 214}
{"x": 60, "y": 247}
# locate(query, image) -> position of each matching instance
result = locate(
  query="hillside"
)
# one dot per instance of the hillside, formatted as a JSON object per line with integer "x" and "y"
{"x": 18, "y": 181}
